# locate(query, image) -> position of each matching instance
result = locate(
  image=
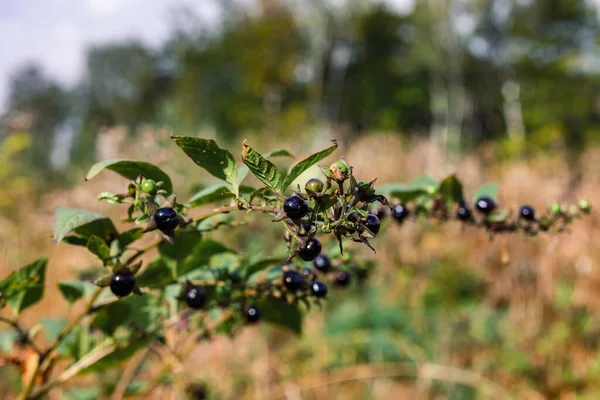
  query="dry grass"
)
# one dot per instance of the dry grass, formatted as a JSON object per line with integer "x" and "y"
{"x": 264, "y": 363}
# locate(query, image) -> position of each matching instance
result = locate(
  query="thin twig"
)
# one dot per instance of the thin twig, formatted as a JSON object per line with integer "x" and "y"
{"x": 23, "y": 333}
{"x": 128, "y": 374}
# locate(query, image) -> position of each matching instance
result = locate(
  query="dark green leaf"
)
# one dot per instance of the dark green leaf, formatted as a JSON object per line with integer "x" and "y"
{"x": 24, "y": 287}
{"x": 98, "y": 247}
{"x": 185, "y": 242}
{"x": 82, "y": 222}
{"x": 211, "y": 194}
{"x": 260, "y": 265}
{"x": 201, "y": 255}
{"x": 208, "y": 155}
{"x": 130, "y": 236}
{"x": 487, "y": 189}
{"x": 74, "y": 290}
{"x": 451, "y": 189}
{"x": 131, "y": 170}
{"x": 243, "y": 170}
{"x": 306, "y": 164}
{"x": 157, "y": 274}
{"x": 263, "y": 169}
{"x": 281, "y": 313}
{"x": 109, "y": 318}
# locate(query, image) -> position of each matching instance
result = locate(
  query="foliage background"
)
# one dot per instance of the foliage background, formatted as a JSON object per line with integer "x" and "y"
{"x": 497, "y": 90}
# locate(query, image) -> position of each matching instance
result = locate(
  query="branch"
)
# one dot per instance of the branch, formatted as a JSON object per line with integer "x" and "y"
{"x": 23, "y": 333}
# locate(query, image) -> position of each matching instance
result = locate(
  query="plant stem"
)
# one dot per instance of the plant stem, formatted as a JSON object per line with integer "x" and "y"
{"x": 23, "y": 333}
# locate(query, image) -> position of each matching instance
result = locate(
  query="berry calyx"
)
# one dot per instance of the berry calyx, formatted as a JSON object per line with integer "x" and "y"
{"x": 400, "y": 212}
{"x": 485, "y": 204}
{"x": 318, "y": 289}
{"x": 166, "y": 219}
{"x": 314, "y": 185}
{"x": 122, "y": 284}
{"x": 149, "y": 186}
{"x": 342, "y": 278}
{"x": 322, "y": 263}
{"x": 195, "y": 297}
{"x": 252, "y": 315}
{"x": 527, "y": 213}
{"x": 373, "y": 224}
{"x": 295, "y": 207}
{"x": 293, "y": 280}
{"x": 311, "y": 250}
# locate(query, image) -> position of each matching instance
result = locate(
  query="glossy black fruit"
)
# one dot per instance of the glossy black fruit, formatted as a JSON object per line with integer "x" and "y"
{"x": 166, "y": 219}
{"x": 463, "y": 213}
{"x": 485, "y": 204}
{"x": 527, "y": 213}
{"x": 195, "y": 297}
{"x": 373, "y": 223}
{"x": 293, "y": 280}
{"x": 122, "y": 284}
{"x": 252, "y": 315}
{"x": 311, "y": 250}
{"x": 318, "y": 289}
{"x": 354, "y": 217}
{"x": 399, "y": 212}
{"x": 295, "y": 207}
{"x": 322, "y": 263}
{"x": 342, "y": 278}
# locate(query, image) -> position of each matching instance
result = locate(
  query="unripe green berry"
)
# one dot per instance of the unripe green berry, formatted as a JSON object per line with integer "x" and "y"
{"x": 339, "y": 169}
{"x": 314, "y": 185}
{"x": 555, "y": 209}
{"x": 584, "y": 206}
{"x": 148, "y": 186}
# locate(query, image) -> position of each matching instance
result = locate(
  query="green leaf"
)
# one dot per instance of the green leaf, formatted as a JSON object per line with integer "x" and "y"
{"x": 451, "y": 189}
{"x": 280, "y": 313}
{"x": 118, "y": 357}
{"x": 489, "y": 189}
{"x": 211, "y": 194}
{"x": 498, "y": 216}
{"x": 306, "y": 164}
{"x": 83, "y": 223}
{"x": 109, "y": 318}
{"x": 98, "y": 247}
{"x": 157, "y": 274}
{"x": 7, "y": 340}
{"x": 425, "y": 182}
{"x": 243, "y": 170}
{"x": 200, "y": 257}
{"x": 208, "y": 155}
{"x": 53, "y": 327}
{"x": 24, "y": 287}
{"x": 260, "y": 265}
{"x": 185, "y": 242}
{"x": 74, "y": 290}
{"x": 130, "y": 236}
{"x": 406, "y": 192}
{"x": 131, "y": 170}
{"x": 263, "y": 169}
{"x": 83, "y": 393}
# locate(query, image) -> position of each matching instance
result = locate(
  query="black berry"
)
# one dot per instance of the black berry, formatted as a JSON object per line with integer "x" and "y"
{"x": 252, "y": 315}
{"x": 378, "y": 212}
{"x": 354, "y": 217}
{"x": 485, "y": 204}
{"x": 195, "y": 297}
{"x": 318, "y": 289}
{"x": 399, "y": 212}
{"x": 295, "y": 207}
{"x": 122, "y": 284}
{"x": 322, "y": 263}
{"x": 527, "y": 213}
{"x": 293, "y": 280}
{"x": 463, "y": 213}
{"x": 342, "y": 278}
{"x": 372, "y": 223}
{"x": 166, "y": 219}
{"x": 311, "y": 250}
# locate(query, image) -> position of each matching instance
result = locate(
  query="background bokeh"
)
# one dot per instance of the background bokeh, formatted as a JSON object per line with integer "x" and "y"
{"x": 494, "y": 90}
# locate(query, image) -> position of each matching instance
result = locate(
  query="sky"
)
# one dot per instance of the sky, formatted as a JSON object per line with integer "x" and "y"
{"x": 55, "y": 33}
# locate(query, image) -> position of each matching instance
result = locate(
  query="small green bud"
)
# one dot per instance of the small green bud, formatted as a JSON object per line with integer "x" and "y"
{"x": 584, "y": 206}
{"x": 555, "y": 209}
{"x": 314, "y": 185}
{"x": 339, "y": 169}
{"x": 148, "y": 186}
